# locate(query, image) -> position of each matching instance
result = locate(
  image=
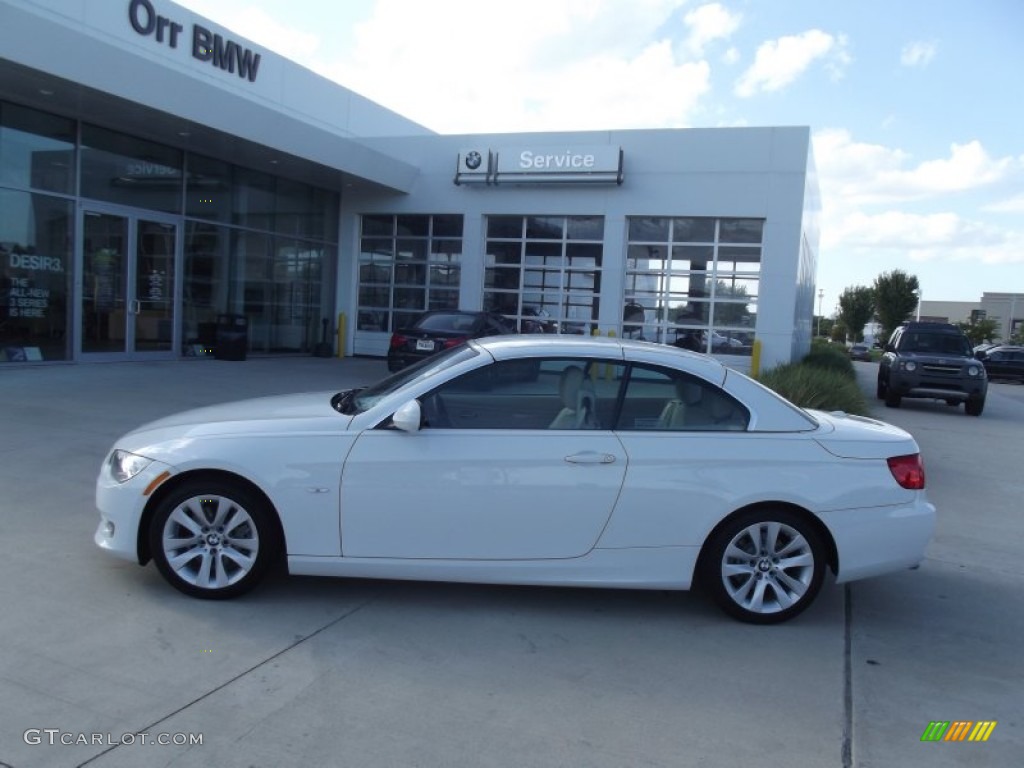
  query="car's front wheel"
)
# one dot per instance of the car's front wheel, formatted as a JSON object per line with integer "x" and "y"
{"x": 880, "y": 388}
{"x": 212, "y": 538}
{"x": 764, "y": 566}
{"x": 974, "y": 406}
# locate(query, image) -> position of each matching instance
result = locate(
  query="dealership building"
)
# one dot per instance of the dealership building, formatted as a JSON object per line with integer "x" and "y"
{"x": 162, "y": 179}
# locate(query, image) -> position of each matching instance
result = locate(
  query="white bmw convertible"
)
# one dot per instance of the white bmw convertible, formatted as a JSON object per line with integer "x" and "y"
{"x": 526, "y": 460}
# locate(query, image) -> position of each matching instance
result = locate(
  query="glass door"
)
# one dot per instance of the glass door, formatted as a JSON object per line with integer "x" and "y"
{"x": 129, "y": 280}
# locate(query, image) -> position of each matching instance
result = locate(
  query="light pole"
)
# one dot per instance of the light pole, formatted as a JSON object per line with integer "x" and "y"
{"x": 920, "y": 293}
{"x": 821, "y": 295}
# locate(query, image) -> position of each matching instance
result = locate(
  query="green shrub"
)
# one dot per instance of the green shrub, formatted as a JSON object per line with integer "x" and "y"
{"x": 831, "y": 357}
{"x": 812, "y": 386}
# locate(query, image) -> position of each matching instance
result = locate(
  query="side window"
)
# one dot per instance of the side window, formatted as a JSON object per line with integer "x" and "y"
{"x": 552, "y": 394}
{"x": 660, "y": 399}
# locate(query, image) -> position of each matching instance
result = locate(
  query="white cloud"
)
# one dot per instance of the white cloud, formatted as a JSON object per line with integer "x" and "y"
{"x": 778, "y": 63}
{"x": 1010, "y": 205}
{"x": 863, "y": 174}
{"x": 875, "y": 212}
{"x": 551, "y": 65}
{"x": 257, "y": 25}
{"x": 707, "y": 24}
{"x": 930, "y": 237}
{"x": 918, "y": 53}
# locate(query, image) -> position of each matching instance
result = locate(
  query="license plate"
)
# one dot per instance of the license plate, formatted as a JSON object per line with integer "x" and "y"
{"x": 424, "y": 345}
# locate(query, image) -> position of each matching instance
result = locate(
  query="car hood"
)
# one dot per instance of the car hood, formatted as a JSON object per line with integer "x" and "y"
{"x": 858, "y": 437}
{"x": 281, "y": 414}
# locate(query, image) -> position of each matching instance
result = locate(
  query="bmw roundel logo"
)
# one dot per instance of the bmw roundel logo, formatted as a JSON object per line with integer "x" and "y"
{"x": 473, "y": 160}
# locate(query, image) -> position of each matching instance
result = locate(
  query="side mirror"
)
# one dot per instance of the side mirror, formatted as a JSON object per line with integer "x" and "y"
{"x": 409, "y": 417}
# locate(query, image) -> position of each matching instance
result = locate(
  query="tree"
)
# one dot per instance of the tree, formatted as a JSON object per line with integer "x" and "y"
{"x": 981, "y": 330}
{"x": 895, "y": 299}
{"x": 728, "y": 313}
{"x": 856, "y": 308}
{"x": 825, "y": 325}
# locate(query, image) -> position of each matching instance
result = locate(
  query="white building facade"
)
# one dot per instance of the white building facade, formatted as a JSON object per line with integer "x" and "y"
{"x": 160, "y": 175}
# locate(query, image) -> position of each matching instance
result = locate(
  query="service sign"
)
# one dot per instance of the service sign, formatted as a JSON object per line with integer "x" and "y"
{"x": 559, "y": 160}
{"x": 598, "y": 164}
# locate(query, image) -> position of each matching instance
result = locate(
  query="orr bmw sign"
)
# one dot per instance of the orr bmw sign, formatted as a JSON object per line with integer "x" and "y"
{"x": 539, "y": 165}
{"x": 205, "y": 45}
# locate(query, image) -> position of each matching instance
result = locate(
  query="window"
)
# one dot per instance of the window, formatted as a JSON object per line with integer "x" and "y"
{"x": 38, "y": 150}
{"x": 36, "y": 258}
{"x": 661, "y": 399}
{"x": 123, "y": 169}
{"x": 552, "y": 394}
{"x": 693, "y": 282}
{"x": 578, "y": 393}
{"x": 408, "y": 264}
{"x": 545, "y": 267}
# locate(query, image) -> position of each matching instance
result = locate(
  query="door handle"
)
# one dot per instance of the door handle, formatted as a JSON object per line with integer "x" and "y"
{"x": 136, "y": 307}
{"x": 590, "y": 457}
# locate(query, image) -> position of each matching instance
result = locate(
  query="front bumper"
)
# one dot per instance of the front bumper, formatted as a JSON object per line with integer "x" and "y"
{"x": 121, "y": 506}
{"x": 909, "y": 385}
{"x": 875, "y": 540}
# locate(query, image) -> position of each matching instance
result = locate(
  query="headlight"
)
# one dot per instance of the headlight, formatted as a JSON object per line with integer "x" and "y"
{"x": 973, "y": 370}
{"x": 910, "y": 365}
{"x": 124, "y": 466}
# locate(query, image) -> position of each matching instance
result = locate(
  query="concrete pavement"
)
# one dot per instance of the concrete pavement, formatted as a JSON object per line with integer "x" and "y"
{"x": 326, "y": 672}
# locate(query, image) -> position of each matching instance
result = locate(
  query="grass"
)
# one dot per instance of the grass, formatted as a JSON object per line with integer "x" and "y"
{"x": 824, "y": 380}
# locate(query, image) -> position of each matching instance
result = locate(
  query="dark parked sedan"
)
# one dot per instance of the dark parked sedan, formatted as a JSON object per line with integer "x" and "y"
{"x": 1003, "y": 362}
{"x": 860, "y": 352}
{"x": 439, "y": 330}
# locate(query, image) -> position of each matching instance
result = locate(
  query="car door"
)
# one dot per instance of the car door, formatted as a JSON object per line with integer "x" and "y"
{"x": 496, "y": 472}
{"x": 688, "y": 454}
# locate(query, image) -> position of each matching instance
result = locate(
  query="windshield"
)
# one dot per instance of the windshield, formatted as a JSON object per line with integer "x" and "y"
{"x": 453, "y": 323}
{"x": 429, "y": 367}
{"x": 936, "y": 344}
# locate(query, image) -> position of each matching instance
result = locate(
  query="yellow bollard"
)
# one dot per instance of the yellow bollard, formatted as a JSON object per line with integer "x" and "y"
{"x": 341, "y": 334}
{"x": 755, "y": 359}
{"x": 609, "y": 369}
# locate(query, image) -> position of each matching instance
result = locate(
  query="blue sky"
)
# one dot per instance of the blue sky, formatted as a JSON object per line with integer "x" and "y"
{"x": 916, "y": 107}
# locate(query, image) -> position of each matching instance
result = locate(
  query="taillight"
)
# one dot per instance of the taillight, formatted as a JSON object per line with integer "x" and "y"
{"x": 397, "y": 340}
{"x": 908, "y": 471}
{"x": 449, "y": 343}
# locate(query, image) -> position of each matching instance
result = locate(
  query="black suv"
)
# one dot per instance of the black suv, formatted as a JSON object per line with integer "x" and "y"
{"x": 932, "y": 360}
{"x": 1003, "y": 361}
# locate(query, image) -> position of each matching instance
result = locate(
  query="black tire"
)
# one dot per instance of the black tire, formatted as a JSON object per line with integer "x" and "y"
{"x": 213, "y": 539}
{"x": 880, "y": 389}
{"x": 892, "y": 400}
{"x": 974, "y": 406}
{"x": 745, "y": 569}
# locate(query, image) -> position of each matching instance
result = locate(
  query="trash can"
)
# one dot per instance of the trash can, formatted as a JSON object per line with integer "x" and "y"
{"x": 232, "y": 337}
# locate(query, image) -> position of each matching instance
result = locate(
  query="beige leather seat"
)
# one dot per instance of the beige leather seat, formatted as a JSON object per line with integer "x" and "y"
{"x": 674, "y": 414}
{"x": 578, "y": 401}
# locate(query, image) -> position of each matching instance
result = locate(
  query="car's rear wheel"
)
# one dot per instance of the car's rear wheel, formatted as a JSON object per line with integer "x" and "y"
{"x": 764, "y": 567}
{"x": 213, "y": 538}
{"x": 974, "y": 406}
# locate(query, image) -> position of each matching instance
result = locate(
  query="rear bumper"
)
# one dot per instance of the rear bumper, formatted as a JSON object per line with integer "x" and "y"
{"x": 876, "y": 540}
